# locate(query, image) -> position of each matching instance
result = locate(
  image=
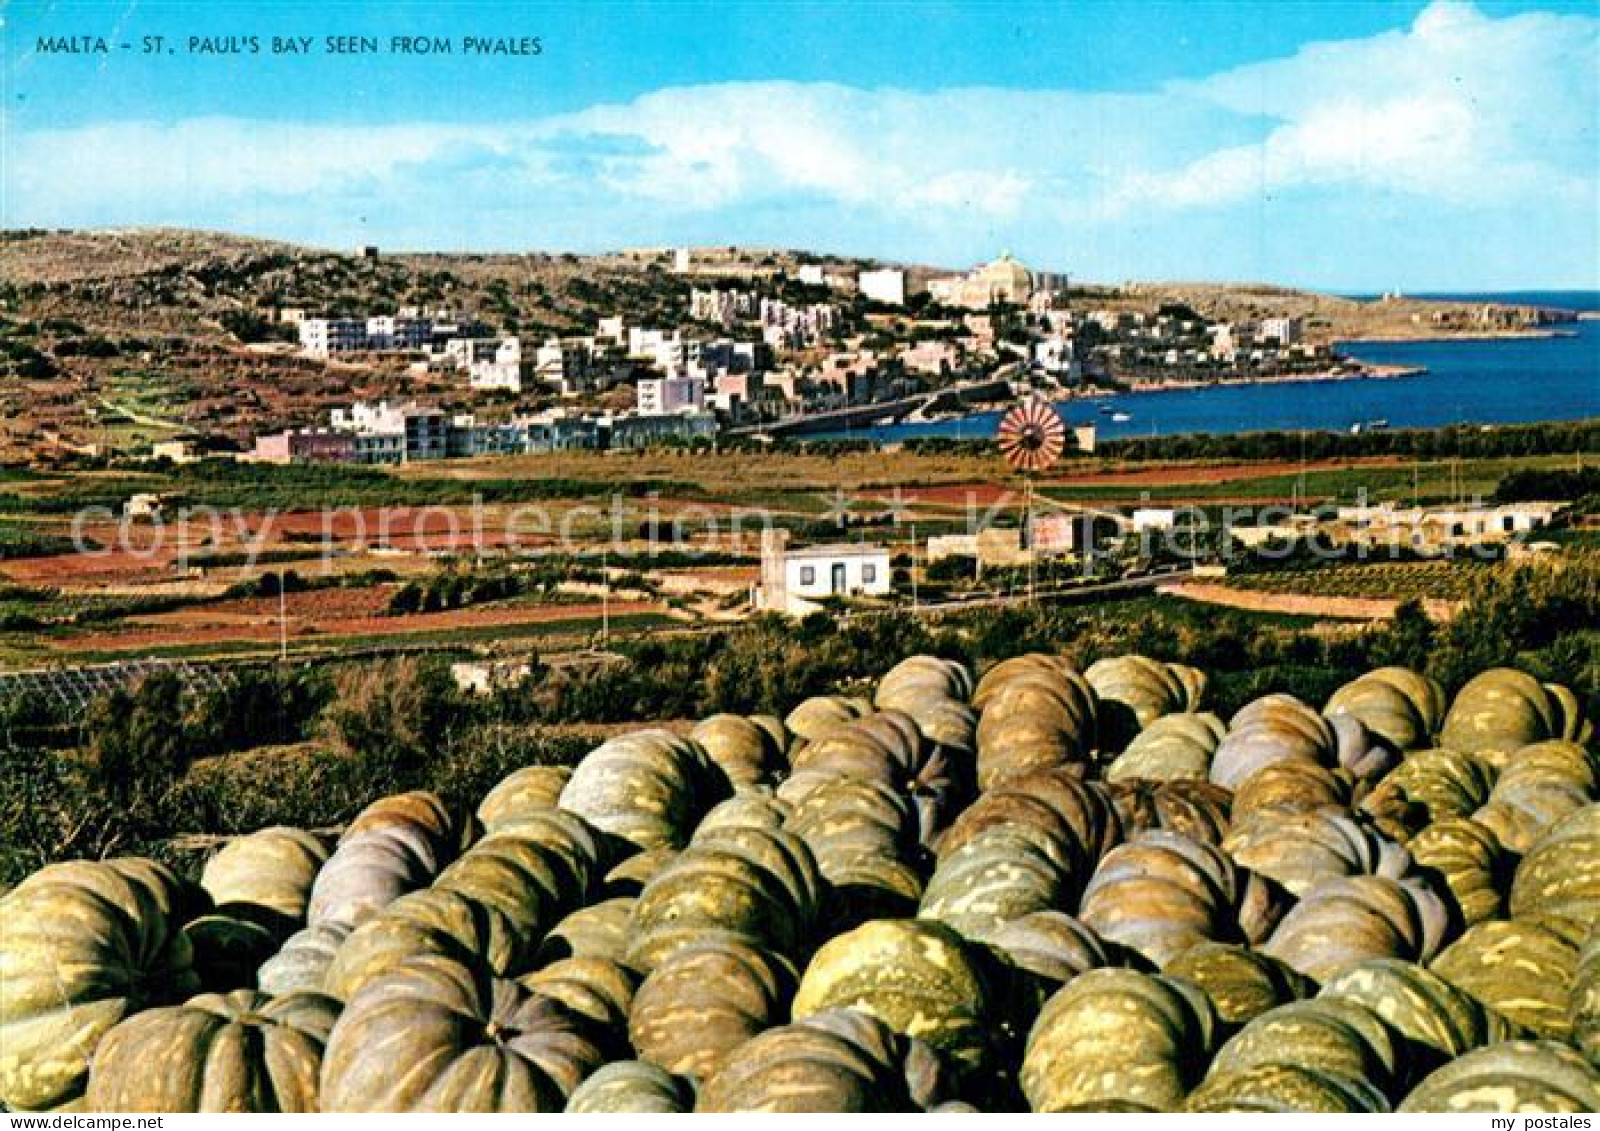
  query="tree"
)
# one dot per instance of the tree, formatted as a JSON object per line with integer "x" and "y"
{"x": 393, "y": 716}
{"x": 140, "y": 748}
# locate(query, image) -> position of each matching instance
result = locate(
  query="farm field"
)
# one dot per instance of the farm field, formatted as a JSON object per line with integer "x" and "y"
{"x": 1440, "y": 580}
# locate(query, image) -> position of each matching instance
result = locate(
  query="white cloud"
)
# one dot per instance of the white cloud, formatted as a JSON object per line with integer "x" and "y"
{"x": 1455, "y": 116}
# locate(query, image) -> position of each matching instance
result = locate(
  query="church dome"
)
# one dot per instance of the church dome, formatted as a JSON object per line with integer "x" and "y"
{"x": 1007, "y": 279}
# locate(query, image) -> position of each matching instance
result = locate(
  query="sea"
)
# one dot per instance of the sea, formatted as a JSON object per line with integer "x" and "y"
{"x": 1494, "y": 381}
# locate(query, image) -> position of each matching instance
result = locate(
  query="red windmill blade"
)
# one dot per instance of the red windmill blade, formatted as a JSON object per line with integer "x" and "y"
{"x": 1032, "y": 437}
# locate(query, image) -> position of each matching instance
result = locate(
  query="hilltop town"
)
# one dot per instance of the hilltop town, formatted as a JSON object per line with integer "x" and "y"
{"x": 181, "y": 344}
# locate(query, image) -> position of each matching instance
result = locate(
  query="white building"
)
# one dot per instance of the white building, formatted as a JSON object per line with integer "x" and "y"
{"x": 794, "y": 580}
{"x": 567, "y": 365}
{"x": 811, "y": 275}
{"x": 1154, "y": 518}
{"x": 1284, "y": 331}
{"x": 323, "y": 337}
{"x": 664, "y": 396}
{"x": 680, "y": 260}
{"x": 887, "y": 286}
{"x": 491, "y": 363}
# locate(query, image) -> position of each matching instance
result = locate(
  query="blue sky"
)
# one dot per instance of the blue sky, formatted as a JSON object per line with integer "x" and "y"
{"x": 1349, "y": 146}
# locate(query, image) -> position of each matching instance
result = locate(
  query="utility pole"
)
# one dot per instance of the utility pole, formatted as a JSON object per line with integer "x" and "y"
{"x": 913, "y": 567}
{"x": 605, "y": 602}
{"x": 283, "y": 620}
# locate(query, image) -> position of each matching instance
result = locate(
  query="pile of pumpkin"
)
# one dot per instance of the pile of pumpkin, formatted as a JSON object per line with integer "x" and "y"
{"x": 1047, "y": 889}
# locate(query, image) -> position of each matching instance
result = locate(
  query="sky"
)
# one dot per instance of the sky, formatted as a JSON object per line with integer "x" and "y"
{"x": 1351, "y": 146}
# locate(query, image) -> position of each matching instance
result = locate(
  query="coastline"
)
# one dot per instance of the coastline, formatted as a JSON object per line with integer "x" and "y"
{"x": 1364, "y": 373}
{"x": 1464, "y": 336}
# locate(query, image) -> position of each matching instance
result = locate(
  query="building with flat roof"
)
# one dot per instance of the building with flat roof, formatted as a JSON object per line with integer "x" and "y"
{"x": 794, "y": 580}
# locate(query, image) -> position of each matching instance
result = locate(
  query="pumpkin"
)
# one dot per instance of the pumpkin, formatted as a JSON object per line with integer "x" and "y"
{"x": 745, "y": 752}
{"x": 530, "y": 872}
{"x": 266, "y": 876}
{"x": 648, "y": 788}
{"x": 1174, "y": 746}
{"x": 841, "y": 1060}
{"x": 1051, "y": 947}
{"x": 1195, "y": 809}
{"x": 237, "y": 1052}
{"x": 467, "y": 1042}
{"x": 934, "y": 692}
{"x": 1560, "y": 875}
{"x": 1295, "y": 785}
{"x": 431, "y": 922}
{"x": 820, "y": 714}
{"x": 1036, "y": 713}
{"x": 631, "y": 1087}
{"x": 598, "y": 990}
{"x": 1241, "y": 983}
{"x": 1539, "y": 785}
{"x": 1160, "y": 894}
{"x": 1502, "y": 710}
{"x": 1522, "y": 970}
{"x": 1402, "y": 706}
{"x": 919, "y": 677}
{"x": 1585, "y": 1005}
{"x": 1470, "y": 860}
{"x": 1299, "y": 850}
{"x": 1076, "y": 822}
{"x": 395, "y": 845}
{"x": 1421, "y": 1006}
{"x": 1428, "y": 787}
{"x": 532, "y": 789}
{"x": 597, "y": 931}
{"x": 1343, "y": 922}
{"x": 885, "y": 747}
{"x": 301, "y": 964}
{"x": 228, "y": 951}
{"x": 1275, "y": 728}
{"x": 997, "y": 876}
{"x": 703, "y": 1002}
{"x": 1134, "y": 691}
{"x": 84, "y": 945}
{"x": 1285, "y": 1089}
{"x": 1338, "y": 1039}
{"x": 754, "y": 885}
{"x": 864, "y": 836}
{"x": 919, "y": 978}
{"x": 1514, "y": 1076}
{"x": 1117, "y": 1039}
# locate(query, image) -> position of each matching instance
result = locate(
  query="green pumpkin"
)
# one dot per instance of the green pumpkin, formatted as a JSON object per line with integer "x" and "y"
{"x": 1174, "y": 747}
{"x": 532, "y": 789}
{"x": 649, "y": 788}
{"x": 703, "y": 1002}
{"x": 84, "y": 944}
{"x": 1402, "y": 706}
{"x": 919, "y": 978}
{"x": 1502, "y": 710}
{"x": 1515, "y": 1076}
{"x": 1522, "y": 970}
{"x": 394, "y": 846}
{"x": 841, "y": 1060}
{"x": 436, "y": 1035}
{"x": 225, "y": 1053}
{"x": 1560, "y": 875}
{"x": 1241, "y": 983}
{"x": 1117, "y": 1037}
{"x": 1470, "y": 860}
{"x": 1286, "y": 1089}
{"x": 631, "y": 1087}
{"x": 266, "y": 876}
{"x": 1337, "y": 1037}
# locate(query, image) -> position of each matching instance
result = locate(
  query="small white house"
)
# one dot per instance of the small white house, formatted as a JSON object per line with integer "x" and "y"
{"x": 1154, "y": 518}
{"x": 794, "y": 580}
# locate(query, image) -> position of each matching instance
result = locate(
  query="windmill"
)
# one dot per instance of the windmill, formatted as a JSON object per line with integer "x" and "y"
{"x": 1032, "y": 438}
